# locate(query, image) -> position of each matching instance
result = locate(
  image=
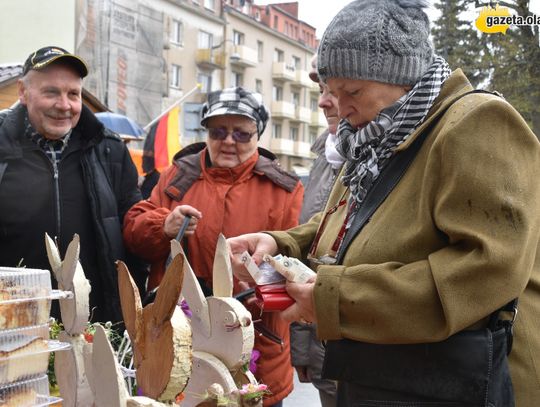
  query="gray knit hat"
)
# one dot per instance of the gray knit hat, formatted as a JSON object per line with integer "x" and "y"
{"x": 379, "y": 40}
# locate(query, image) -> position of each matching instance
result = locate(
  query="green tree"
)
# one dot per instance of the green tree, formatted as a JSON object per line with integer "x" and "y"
{"x": 515, "y": 63}
{"x": 458, "y": 41}
{"x": 508, "y": 63}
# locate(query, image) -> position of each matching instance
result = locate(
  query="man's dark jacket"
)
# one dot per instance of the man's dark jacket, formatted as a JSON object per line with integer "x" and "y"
{"x": 95, "y": 183}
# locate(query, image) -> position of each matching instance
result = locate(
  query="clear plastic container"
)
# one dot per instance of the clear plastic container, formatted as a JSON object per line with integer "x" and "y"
{"x": 27, "y": 393}
{"x": 41, "y": 331}
{"x": 23, "y": 355}
{"x": 25, "y": 297}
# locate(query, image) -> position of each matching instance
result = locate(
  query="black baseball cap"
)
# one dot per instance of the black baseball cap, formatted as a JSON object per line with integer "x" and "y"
{"x": 45, "y": 56}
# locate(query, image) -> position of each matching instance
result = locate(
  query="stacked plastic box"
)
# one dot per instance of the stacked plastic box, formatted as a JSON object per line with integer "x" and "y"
{"x": 25, "y": 302}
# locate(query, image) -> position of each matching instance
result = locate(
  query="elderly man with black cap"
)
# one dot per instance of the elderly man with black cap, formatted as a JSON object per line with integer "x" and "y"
{"x": 61, "y": 173}
{"x": 227, "y": 185}
{"x": 432, "y": 232}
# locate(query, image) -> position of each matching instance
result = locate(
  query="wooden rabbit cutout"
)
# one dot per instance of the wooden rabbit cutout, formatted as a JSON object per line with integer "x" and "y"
{"x": 222, "y": 330}
{"x": 69, "y": 364}
{"x": 106, "y": 378}
{"x": 160, "y": 334}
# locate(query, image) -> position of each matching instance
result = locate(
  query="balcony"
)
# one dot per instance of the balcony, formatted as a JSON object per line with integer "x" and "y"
{"x": 302, "y": 114}
{"x": 244, "y": 56}
{"x": 283, "y": 71}
{"x": 302, "y": 149}
{"x": 318, "y": 119}
{"x": 282, "y": 146}
{"x": 302, "y": 79}
{"x": 283, "y": 109}
{"x": 208, "y": 58}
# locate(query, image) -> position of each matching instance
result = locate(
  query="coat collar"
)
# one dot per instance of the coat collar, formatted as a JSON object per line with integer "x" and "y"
{"x": 456, "y": 85}
{"x": 233, "y": 175}
{"x": 319, "y": 145}
{"x": 89, "y": 128}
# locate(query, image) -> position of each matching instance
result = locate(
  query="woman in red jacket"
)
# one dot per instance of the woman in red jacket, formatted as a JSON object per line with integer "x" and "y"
{"x": 227, "y": 185}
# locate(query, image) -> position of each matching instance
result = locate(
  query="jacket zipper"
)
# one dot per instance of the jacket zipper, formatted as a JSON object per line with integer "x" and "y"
{"x": 54, "y": 163}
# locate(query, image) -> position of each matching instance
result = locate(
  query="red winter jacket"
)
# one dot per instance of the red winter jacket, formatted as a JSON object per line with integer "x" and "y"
{"x": 254, "y": 196}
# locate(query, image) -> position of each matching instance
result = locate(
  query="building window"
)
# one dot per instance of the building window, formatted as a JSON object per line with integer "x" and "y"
{"x": 276, "y": 130}
{"x": 294, "y": 133}
{"x": 314, "y": 104}
{"x": 237, "y": 79}
{"x": 279, "y": 55}
{"x": 193, "y": 131}
{"x": 275, "y": 22}
{"x": 297, "y": 62}
{"x": 177, "y": 32}
{"x": 312, "y": 136}
{"x": 258, "y": 86}
{"x": 210, "y": 4}
{"x": 205, "y": 40}
{"x": 206, "y": 82}
{"x": 295, "y": 99}
{"x": 176, "y": 76}
{"x": 277, "y": 93}
{"x": 238, "y": 38}
{"x": 260, "y": 51}
{"x": 286, "y": 28}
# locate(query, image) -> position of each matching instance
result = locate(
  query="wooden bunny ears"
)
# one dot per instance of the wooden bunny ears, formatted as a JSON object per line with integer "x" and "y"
{"x": 160, "y": 333}
{"x": 70, "y": 276}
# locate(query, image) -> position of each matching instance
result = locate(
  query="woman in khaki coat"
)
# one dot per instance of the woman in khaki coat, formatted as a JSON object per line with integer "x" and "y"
{"x": 455, "y": 240}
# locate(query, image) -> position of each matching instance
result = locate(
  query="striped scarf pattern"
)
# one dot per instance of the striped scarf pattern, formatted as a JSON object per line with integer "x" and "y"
{"x": 368, "y": 150}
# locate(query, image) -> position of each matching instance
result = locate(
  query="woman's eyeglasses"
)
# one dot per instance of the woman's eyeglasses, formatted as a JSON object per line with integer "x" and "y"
{"x": 221, "y": 133}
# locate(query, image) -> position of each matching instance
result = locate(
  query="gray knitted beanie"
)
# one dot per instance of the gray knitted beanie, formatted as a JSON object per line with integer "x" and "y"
{"x": 379, "y": 40}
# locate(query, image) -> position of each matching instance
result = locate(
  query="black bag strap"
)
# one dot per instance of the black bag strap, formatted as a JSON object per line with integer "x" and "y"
{"x": 496, "y": 322}
{"x": 381, "y": 188}
{"x": 387, "y": 180}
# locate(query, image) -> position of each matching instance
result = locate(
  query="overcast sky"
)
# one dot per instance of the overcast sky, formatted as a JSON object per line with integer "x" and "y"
{"x": 319, "y": 13}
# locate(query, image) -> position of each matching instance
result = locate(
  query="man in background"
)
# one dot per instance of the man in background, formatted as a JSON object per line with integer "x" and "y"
{"x": 61, "y": 173}
{"x": 307, "y": 352}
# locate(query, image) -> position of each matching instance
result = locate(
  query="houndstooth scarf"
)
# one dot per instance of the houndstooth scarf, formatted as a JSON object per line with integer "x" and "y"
{"x": 367, "y": 150}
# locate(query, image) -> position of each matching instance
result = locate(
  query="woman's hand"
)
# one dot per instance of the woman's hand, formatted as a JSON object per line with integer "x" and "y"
{"x": 303, "y": 310}
{"x": 174, "y": 220}
{"x": 256, "y": 244}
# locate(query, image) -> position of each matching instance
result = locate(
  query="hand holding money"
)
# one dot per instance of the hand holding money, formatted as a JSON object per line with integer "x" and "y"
{"x": 291, "y": 268}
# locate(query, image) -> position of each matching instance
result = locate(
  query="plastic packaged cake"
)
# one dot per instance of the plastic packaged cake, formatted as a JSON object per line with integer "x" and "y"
{"x": 25, "y": 297}
{"x": 27, "y": 393}
{"x": 24, "y": 353}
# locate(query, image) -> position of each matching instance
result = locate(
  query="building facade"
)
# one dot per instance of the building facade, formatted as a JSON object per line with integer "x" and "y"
{"x": 145, "y": 55}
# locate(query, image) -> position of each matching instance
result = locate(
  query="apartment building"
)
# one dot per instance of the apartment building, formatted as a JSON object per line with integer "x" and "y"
{"x": 275, "y": 63}
{"x": 145, "y": 55}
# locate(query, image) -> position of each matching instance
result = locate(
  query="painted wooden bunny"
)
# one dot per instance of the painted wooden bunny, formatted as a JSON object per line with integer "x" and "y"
{"x": 222, "y": 331}
{"x": 160, "y": 334}
{"x": 69, "y": 364}
{"x": 105, "y": 376}
{"x": 107, "y": 381}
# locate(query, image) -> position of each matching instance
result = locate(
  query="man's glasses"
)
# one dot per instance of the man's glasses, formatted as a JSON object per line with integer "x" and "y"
{"x": 221, "y": 133}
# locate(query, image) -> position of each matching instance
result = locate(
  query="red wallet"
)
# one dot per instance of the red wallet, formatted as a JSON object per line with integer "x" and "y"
{"x": 272, "y": 297}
